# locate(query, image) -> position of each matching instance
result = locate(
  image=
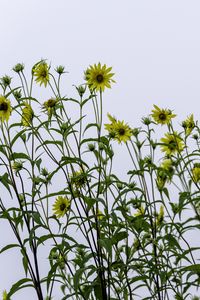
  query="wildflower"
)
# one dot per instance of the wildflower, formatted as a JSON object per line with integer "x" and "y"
{"x": 81, "y": 90}
{"x": 6, "y": 80}
{"x": 160, "y": 216}
{"x": 41, "y": 72}
{"x": 60, "y": 70}
{"x": 100, "y": 215}
{"x": 50, "y": 105}
{"x": 99, "y": 77}
{"x": 5, "y": 109}
{"x": 27, "y": 115}
{"x": 61, "y": 206}
{"x": 172, "y": 143}
{"x": 17, "y": 94}
{"x": 146, "y": 121}
{"x": 167, "y": 167}
{"x": 18, "y": 68}
{"x": 79, "y": 179}
{"x": 188, "y": 124}
{"x": 140, "y": 211}
{"x": 118, "y": 130}
{"x": 162, "y": 116}
{"x": 196, "y": 172}
{"x": 91, "y": 146}
{"x": 17, "y": 166}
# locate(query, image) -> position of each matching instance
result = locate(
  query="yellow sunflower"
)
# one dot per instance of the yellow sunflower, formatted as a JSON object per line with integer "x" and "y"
{"x": 61, "y": 206}
{"x": 196, "y": 172}
{"x": 5, "y": 109}
{"x": 50, "y": 105}
{"x": 118, "y": 130}
{"x": 27, "y": 115}
{"x": 162, "y": 116}
{"x": 188, "y": 124}
{"x": 41, "y": 72}
{"x": 99, "y": 77}
{"x": 172, "y": 143}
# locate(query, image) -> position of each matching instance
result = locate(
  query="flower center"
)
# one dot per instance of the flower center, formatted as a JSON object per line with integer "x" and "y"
{"x": 172, "y": 145}
{"x": 121, "y": 131}
{"x": 62, "y": 206}
{"x": 99, "y": 78}
{"x": 51, "y": 103}
{"x": 4, "y": 106}
{"x": 43, "y": 73}
{"x": 162, "y": 117}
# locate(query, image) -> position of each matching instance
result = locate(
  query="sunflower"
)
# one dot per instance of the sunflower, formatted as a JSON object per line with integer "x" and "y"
{"x": 162, "y": 116}
{"x": 79, "y": 179}
{"x": 61, "y": 206}
{"x": 27, "y": 115}
{"x": 196, "y": 173}
{"x": 50, "y": 105}
{"x": 118, "y": 130}
{"x": 41, "y": 72}
{"x": 188, "y": 124}
{"x": 172, "y": 143}
{"x": 5, "y": 108}
{"x": 98, "y": 77}
{"x": 160, "y": 216}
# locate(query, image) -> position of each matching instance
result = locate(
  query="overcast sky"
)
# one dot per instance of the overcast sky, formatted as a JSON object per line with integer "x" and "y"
{"x": 152, "y": 45}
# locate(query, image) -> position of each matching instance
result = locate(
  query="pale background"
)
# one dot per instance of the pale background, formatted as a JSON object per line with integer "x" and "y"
{"x": 153, "y": 46}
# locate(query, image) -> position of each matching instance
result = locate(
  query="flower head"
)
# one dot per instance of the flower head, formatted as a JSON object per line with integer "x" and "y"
{"x": 160, "y": 216}
{"x": 78, "y": 179}
{"x": 162, "y": 116}
{"x": 61, "y": 206}
{"x": 41, "y": 72}
{"x": 140, "y": 211}
{"x": 27, "y": 115}
{"x": 196, "y": 172}
{"x": 17, "y": 166}
{"x": 118, "y": 130}
{"x": 172, "y": 143}
{"x": 50, "y": 105}
{"x": 5, "y": 109}
{"x": 99, "y": 77}
{"x": 188, "y": 124}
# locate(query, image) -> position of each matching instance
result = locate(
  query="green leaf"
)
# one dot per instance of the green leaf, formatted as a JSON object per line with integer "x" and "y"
{"x": 193, "y": 268}
{"x": 8, "y": 247}
{"x": 107, "y": 245}
{"x": 19, "y": 134}
{"x": 19, "y": 155}
{"x": 119, "y": 236}
{"x": 6, "y": 182}
{"x": 77, "y": 278}
{"x": 18, "y": 285}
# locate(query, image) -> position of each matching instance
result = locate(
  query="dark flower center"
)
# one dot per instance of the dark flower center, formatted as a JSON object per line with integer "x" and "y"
{"x": 172, "y": 145}
{"x": 162, "y": 117}
{"x": 43, "y": 73}
{"x": 4, "y": 106}
{"x": 51, "y": 103}
{"x": 99, "y": 78}
{"x": 62, "y": 206}
{"x": 121, "y": 131}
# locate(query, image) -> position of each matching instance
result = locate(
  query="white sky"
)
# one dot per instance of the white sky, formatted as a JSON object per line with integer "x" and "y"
{"x": 153, "y": 46}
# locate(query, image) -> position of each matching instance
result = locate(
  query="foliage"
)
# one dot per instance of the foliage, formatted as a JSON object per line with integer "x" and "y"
{"x": 107, "y": 237}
